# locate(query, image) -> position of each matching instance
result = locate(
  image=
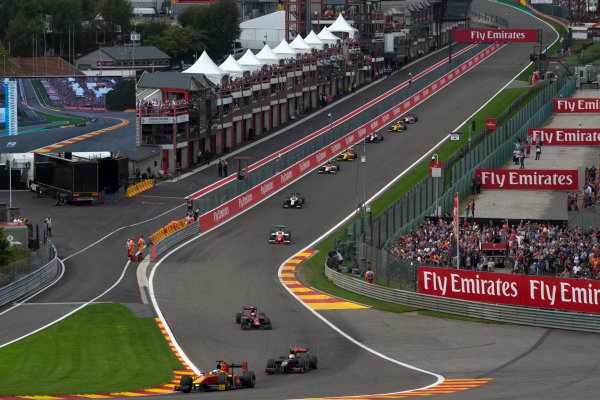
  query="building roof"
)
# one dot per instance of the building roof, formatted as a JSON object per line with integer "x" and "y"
{"x": 275, "y": 20}
{"x": 174, "y": 80}
{"x": 139, "y": 52}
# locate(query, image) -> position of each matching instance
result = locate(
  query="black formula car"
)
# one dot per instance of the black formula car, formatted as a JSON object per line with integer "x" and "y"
{"x": 299, "y": 360}
{"x": 374, "y": 138}
{"x": 330, "y": 168}
{"x": 279, "y": 236}
{"x": 294, "y": 200}
{"x": 250, "y": 318}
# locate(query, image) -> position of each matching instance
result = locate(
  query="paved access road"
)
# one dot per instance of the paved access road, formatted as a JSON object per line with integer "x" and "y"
{"x": 200, "y": 287}
{"x": 114, "y": 131}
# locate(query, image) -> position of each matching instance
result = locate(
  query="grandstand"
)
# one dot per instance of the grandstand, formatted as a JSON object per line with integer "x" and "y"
{"x": 77, "y": 91}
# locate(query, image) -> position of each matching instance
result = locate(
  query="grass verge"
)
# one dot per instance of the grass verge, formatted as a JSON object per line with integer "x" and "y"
{"x": 100, "y": 349}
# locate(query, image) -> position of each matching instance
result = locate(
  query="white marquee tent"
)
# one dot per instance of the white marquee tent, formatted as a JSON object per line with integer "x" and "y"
{"x": 327, "y": 37}
{"x": 250, "y": 62}
{"x": 267, "y": 56}
{"x": 313, "y": 41}
{"x": 267, "y": 29}
{"x": 284, "y": 50}
{"x": 340, "y": 25}
{"x": 204, "y": 65}
{"x": 300, "y": 45}
{"x": 233, "y": 67}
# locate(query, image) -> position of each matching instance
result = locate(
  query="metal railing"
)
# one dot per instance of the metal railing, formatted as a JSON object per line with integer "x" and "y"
{"x": 25, "y": 276}
{"x": 541, "y": 317}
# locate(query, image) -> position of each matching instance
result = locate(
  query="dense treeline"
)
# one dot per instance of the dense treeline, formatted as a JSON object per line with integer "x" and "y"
{"x": 38, "y": 27}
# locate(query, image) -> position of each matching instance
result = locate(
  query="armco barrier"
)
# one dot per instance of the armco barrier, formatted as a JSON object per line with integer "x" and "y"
{"x": 176, "y": 236}
{"x": 541, "y": 317}
{"x": 167, "y": 230}
{"x": 273, "y": 184}
{"x": 140, "y": 187}
{"x": 31, "y": 282}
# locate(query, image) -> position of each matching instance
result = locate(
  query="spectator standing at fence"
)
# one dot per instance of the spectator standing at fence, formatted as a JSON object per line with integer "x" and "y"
{"x": 472, "y": 208}
{"x": 48, "y": 222}
{"x": 224, "y": 167}
{"x": 190, "y": 204}
{"x": 479, "y": 184}
{"x": 199, "y": 157}
{"x": 220, "y": 167}
{"x": 473, "y": 185}
{"x": 538, "y": 151}
{"x": 369, "y": 275}
{"x": 522, "y": 159}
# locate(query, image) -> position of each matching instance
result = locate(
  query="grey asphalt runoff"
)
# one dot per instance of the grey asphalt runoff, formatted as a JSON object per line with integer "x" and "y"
{"x": 200, "y": 287}
{"x": 119, "y": 139}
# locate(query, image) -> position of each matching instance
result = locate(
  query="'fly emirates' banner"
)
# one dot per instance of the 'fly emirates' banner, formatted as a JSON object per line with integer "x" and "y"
{"x": 495, "y": 35}
{"x": 575, "y": 105}
{"x": 531, "y": 179}
{"x": 566, "y": 137}
{"x": 519, "y": 290}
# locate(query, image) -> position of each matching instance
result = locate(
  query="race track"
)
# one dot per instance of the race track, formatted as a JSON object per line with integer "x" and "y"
{"x": 200, "y": 287}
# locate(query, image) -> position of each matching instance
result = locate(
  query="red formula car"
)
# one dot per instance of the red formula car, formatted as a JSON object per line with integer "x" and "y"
{"x": 250, "y": 318}
{"x": 221, "y": 378}
{"x": 299, "y": 360}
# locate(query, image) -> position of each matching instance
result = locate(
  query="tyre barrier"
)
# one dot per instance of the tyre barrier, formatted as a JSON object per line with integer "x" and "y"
{"x": 139, "y": 188}
{"x": 170, "y": 234}
{"x": 540, "y": 317}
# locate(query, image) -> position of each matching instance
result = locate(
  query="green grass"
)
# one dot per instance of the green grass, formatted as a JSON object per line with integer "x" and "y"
{"x": 101, "y": 348}
{"x": 56, "y": 118}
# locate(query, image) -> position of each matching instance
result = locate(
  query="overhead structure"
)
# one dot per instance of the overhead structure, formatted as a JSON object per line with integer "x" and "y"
{"x": 342, "y": 26}
{"x": 232, "y": 67}
{"x": 267, "y": 56}
{"x": 204, "y": 65}
{"x": 284, "y": 50}
{"x": 313, "y": 41}
{"x": 295, "y": 18}
{"x": 249, "y": 61}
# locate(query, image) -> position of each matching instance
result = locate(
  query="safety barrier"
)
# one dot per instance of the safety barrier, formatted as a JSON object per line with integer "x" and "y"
{"x": 174, "y": 235}
{"x": 139, "y": 188}
{"x": 541, "y": 317}
{"x": 40, "y": 277}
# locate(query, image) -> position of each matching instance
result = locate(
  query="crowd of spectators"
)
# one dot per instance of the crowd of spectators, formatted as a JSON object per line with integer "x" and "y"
{"x": 531, "y": 247}
{"x": 81, "y": 92}
{"x": 159, "y": 106}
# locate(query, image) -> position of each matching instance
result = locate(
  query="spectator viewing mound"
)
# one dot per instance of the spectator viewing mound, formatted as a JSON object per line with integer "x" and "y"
{"x": 89, "y": 92}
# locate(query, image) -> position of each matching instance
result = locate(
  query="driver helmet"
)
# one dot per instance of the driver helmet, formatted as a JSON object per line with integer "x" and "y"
{"x": 291, "y": 357}
{"x": 215, "y": 372}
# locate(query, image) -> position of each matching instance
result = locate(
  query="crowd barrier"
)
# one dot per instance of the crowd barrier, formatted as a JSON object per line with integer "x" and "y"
{"x": 546, "y": 318}
{"x": 139, "y": 188}
{"x": 171, "y": 234}
{"x": 37, "y": 279}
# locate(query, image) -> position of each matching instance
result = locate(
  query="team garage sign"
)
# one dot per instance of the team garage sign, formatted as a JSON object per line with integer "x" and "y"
{"x": 528, "y": 179}
{"x": 566, "y": 136}
{"x": 519, "y": 290}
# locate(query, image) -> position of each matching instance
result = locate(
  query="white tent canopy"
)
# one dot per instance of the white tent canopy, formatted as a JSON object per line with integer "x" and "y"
{"x": 267, "y": 29}
{"x": 313, "y": 41}
{"x": 250, "y": 62}
{"x": 327, "y": 37}
{"x": 340, "y": 25}
{"x": 204, "y": 65}
{"x": 300, "y": 45}
{"x": 267, "y": 56}
{"x": 284, "y": 50}
{"x": 233, "y": 67}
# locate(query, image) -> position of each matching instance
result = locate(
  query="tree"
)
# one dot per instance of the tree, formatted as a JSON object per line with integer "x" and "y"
{"x": 122, "y": 97}
{"x": 66, "y": 17}
{"x": 116, "y": 13}
{"x": 179, "y": 43}
{"x": 220, "y": 21}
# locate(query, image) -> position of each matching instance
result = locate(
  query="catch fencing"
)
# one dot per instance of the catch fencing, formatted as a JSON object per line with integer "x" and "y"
{"x": 24, "y": 276}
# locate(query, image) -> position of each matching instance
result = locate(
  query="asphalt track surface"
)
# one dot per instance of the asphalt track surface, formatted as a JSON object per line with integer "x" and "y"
{"x": 201, "y": 286}
{"x": 119, "y": 139}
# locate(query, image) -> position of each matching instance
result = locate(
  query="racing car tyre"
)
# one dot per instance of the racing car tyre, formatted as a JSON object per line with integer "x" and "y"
{"x": 185, "y": 383}
{"x": 249, "y": 379}
{"x": 303, "y": 363}
{"x": 222, "y": 380}
{"x": 261, "y": 314}
{"x": 244, "y": 323}
{"x": 238, "y": 317}
{"x": 270, "y": 364}
{"x": 268, "y": 323}
{"x": 313, "y": 362}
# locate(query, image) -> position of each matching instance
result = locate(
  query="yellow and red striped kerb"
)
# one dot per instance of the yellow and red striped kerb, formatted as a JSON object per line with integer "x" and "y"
{"x": 312, "y": 298}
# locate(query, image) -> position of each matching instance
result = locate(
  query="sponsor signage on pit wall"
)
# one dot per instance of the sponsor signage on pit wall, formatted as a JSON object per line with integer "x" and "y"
{"x": 565, "y": 137}
{"x": 490, "y": 123}
{"x": 519, "y": 290}
{"x": 528, "y": 179}
{"x": 575, "y": 105}
{"x": 272, "y": 185}
{"x": 495, "y": 35}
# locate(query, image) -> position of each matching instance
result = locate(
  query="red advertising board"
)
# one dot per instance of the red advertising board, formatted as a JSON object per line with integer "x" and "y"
{"x": 490, "y": 123}
{"x": 565, "y": 136}
{"x": 495, "y": 35}
{"x": 575, "y": 105}
{"x": 434, "y": 164}
{"x": 493, "y": 246}
{"x": 519, "y": 290}
{"x": 81, "y": 108}
{"x": 528, "y": 179}
{"x": 253, "y": 196}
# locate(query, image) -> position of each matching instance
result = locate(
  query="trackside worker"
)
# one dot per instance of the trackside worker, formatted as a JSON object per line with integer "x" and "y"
{"x": 369, "y": 275}
{"x": 141, "y": 245}
{"x": 132, "y": 248}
